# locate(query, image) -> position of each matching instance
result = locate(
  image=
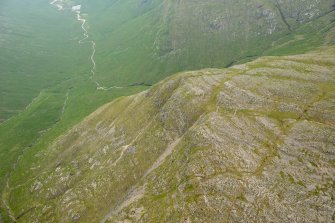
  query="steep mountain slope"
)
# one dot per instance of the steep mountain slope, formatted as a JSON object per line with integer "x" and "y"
{"x": 144, "y": 41}
{"x": 137, "y": 44}
{"x": 254, "y": 142}
{"x": 45, "y": 85}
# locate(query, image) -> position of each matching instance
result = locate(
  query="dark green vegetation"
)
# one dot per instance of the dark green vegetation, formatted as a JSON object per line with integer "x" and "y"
{"x": 148, "y": 40}
{"x": 34, "y": 54}
{"x": 138, "y": 44}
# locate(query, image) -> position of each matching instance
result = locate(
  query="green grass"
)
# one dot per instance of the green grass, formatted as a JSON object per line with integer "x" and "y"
{"x": 37, "y": 51}
{"x": 137, "y": 44}
{"x": 145, "y": 43}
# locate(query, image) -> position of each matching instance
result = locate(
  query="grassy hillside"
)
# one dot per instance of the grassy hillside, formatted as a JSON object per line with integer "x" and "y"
{"x": 44, "y": 79}
{"x": 257, "y": 145}
{"x": 45, "y": 87}
{"x": 144, "y": 41}
{"x": 37, "y": 50}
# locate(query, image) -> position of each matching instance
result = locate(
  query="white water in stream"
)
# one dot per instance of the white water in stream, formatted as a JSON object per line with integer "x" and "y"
{"x": 77, "y": 10}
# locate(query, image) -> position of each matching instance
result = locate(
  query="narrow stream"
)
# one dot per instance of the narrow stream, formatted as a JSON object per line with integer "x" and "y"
{"x": 59, "y": 4}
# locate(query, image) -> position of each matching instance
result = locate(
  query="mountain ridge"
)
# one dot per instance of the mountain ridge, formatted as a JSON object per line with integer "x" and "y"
{"x": 138, "y": 44}
{"x": 150, "y": 158}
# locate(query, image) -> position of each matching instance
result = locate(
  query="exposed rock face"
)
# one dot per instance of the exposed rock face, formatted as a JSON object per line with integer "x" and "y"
{"x": 253, "y": 143}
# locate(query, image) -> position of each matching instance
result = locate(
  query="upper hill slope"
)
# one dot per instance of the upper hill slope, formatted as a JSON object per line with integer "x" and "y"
{"x": 254, "y": 142}
{"x": 145, "y": 41}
